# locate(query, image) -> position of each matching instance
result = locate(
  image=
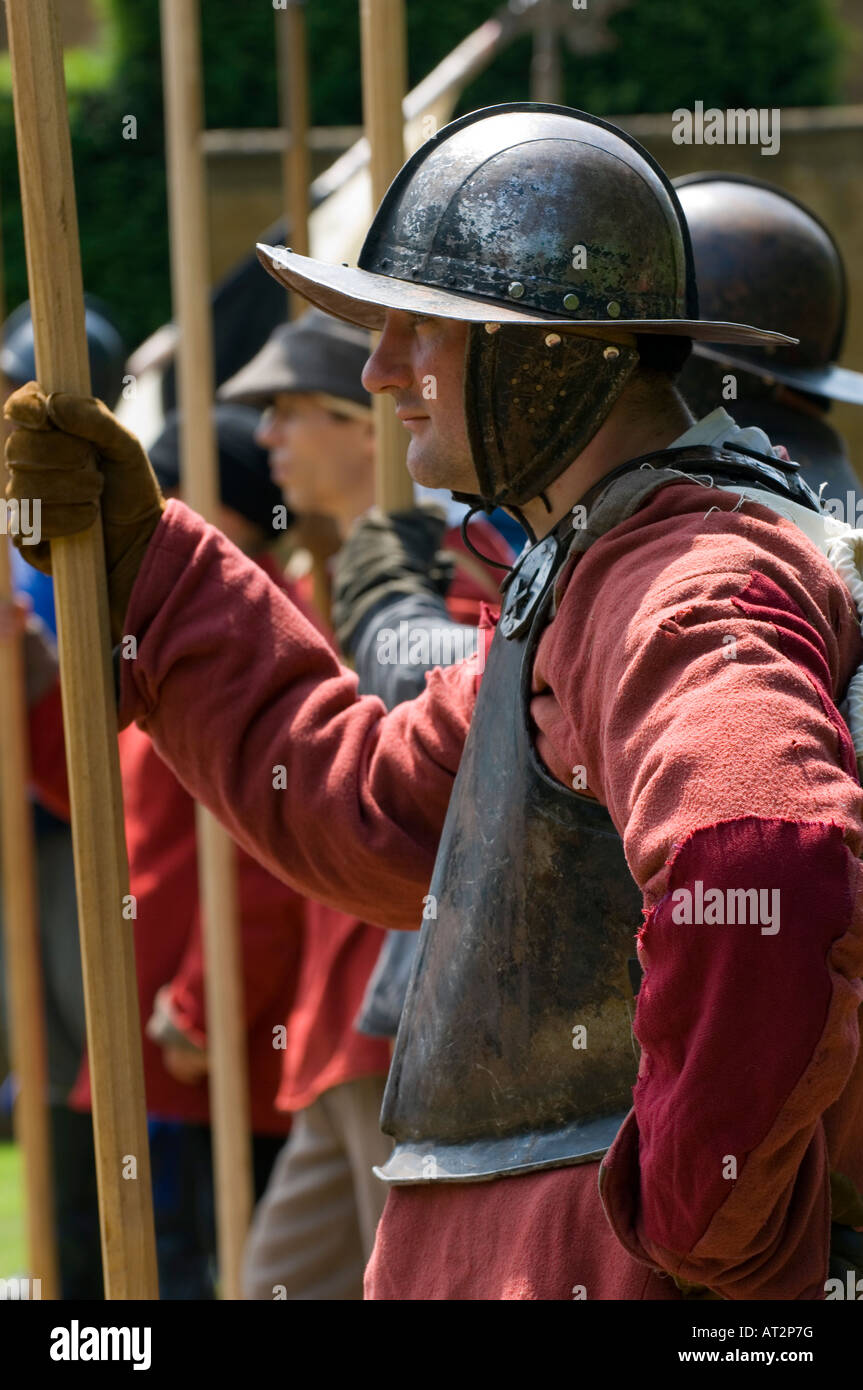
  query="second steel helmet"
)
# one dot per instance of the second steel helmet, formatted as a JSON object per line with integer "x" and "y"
{"x": 760, "y": 252}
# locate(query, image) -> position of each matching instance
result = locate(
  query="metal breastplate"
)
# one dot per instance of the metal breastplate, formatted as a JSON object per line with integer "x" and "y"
{"x": 515, "y": 1050}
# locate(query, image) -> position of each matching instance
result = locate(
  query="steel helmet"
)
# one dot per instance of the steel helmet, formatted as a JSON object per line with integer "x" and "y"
{"x": 531, "y": 218}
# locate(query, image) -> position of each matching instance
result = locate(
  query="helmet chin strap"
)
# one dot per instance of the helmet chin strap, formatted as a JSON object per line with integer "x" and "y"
{"x": 486, "y": 559}
{"x": 477, "y": 504}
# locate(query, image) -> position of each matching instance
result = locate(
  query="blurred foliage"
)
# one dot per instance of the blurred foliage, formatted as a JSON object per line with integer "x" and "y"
{"x": 86, "y": 69}
{"x": 13, "y": 1245}
{"x": 667, "y": 53}
{"x": 722, "y": 52}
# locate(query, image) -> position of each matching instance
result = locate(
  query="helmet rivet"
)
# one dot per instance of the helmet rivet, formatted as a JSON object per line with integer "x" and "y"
{"x": 613, "y": 309}
{"x": 552, "y": 339}
{"x": 492, "y": 327}
{"x": 611, "y": 353}
{"x": 516, "y": 290}
{"x": 570, "y": 301}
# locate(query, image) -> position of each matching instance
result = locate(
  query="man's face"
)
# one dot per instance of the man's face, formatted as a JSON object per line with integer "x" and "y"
{"x": 419, "y": 361}
{"x": 322, "y": 462}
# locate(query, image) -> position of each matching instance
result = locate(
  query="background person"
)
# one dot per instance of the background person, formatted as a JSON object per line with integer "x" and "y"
{"x": 163, "y": 877}
{"x": 72, "y": 1160}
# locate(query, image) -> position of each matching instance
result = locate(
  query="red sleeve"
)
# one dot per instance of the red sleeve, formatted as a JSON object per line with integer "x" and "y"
{"x": 695, "y": 659}
{"x": 48, "y": 753}
{"x": 247, "y": 703}
{"x": 271, "y": 923}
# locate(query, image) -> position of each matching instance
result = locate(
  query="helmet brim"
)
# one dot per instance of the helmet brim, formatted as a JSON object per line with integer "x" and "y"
{"x": 836, "y": 383}
{"x": 363, "y": 297}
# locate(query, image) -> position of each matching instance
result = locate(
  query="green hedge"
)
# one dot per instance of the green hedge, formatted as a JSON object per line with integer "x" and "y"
{"x": 668, "y": 54}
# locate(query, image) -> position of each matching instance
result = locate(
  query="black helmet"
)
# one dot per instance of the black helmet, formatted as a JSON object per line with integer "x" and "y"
{"x": 104, "y": 348}
{"x": 527, "y": 218}
{"x": 759, "y": 252}
{"x": 245, "y": 484}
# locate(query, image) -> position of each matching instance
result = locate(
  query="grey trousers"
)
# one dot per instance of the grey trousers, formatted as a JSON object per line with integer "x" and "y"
{"x": 314, "y": 1228}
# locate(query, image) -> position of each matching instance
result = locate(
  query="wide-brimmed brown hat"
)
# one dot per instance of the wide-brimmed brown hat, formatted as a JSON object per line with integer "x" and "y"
{"x": 314, "y": 354}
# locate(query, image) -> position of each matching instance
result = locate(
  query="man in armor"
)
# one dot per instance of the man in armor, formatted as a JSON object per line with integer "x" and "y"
{"x": 649, "y": 748}
{"x": 760, "y": 257}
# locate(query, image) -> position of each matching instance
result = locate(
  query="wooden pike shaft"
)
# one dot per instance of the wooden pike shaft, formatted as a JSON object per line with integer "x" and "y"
{"x": 384, "y": 62}
{"x": 23, "y": 965}
{"x": 229, "y": 1088}
{"x": 293, "y": 85}
{"x": 89, "y": 712}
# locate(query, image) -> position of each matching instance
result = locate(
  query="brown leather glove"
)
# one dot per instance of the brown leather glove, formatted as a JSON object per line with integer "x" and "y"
{"x": 66, "y": 453}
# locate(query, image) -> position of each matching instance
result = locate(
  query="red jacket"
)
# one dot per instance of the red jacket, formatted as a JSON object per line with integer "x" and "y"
{"x": 711, "y": 769}
{"x": 163, "y": 874}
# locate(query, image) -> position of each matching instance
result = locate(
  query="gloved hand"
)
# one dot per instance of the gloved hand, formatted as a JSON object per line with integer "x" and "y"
{"x": 65, "y": 453}
{"x": 184, "y": 1060}
{"x": 387, "y": 555}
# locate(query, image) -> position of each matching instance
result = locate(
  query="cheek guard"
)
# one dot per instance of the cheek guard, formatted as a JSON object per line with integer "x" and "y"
{"x": 533, "y": 400}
